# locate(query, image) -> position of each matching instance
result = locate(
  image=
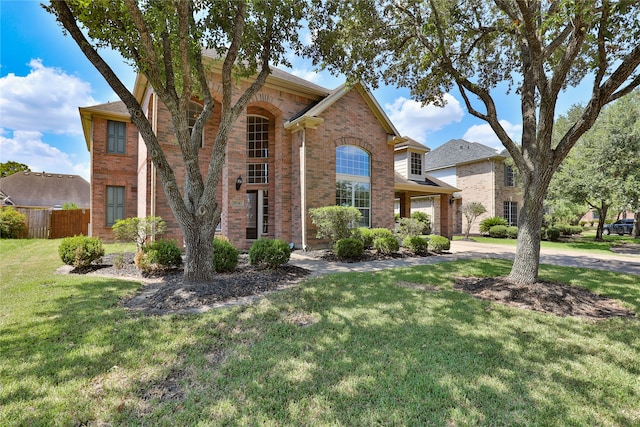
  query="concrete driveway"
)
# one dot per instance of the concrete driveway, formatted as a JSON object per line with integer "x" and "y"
{"x": 629, "y": 264}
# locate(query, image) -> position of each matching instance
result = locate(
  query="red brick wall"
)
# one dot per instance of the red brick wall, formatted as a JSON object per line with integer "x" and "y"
{"x": 112, "y": 170}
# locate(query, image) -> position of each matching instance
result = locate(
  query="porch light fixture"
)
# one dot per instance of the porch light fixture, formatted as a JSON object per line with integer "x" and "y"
{"x": 238, "y": 182}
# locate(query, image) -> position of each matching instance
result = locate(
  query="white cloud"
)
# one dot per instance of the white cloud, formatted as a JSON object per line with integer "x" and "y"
{"x": 414, "y": 120}
{"x": 485, "y": 135}
{"x": 308, "y": 75}
{"x": 46, "y": 100}
{"x": 28, "y": 148}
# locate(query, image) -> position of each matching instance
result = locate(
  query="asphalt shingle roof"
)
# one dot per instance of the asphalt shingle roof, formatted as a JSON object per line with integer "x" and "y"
{"x": 46, "y": 189}
{"x": 457, "y": 151}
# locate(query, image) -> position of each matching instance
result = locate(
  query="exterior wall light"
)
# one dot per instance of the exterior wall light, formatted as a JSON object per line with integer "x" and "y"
{"x": 238, "y": 182}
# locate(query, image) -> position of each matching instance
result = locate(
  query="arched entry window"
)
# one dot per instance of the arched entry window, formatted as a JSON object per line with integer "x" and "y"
{"x": 353, "y": 180}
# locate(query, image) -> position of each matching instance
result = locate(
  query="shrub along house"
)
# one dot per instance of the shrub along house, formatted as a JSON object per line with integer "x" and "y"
{"x": 297, "y": 146}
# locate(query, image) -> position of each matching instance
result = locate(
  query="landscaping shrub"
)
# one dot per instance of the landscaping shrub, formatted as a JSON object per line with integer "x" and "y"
{"x": 368, "y": 235}
{"x": 137, "y": 230}
{"x": 80, "y": 251}
{"x": 13, "y": 224}
{"x": 409, "y": 227}
{"x": 160, "y": 254}
{"x": 386, "y": 245}
{"x": 225, "y": 256}
{"x": 271, "y": 253}
{"x": 348, "y": 248}
{"x": 512, "y": 232}
{"x": 424, "y": 219}
{"x": 487, "y": 223}
{"x": 576, "y": 229}
{"x": 439, "y": 244}
{"x": 335, "y": 222}
{"x": 498, "y": 231}
{"x": 416, "y": 244}
{"x": 565, "y": 229}
{"x": 553, "y": 234}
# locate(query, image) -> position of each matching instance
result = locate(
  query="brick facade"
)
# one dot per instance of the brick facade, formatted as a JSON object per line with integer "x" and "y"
{"x": 347, "y": 120}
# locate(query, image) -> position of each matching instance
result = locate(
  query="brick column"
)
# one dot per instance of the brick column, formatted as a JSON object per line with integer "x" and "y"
{"x": 446, "y": 228}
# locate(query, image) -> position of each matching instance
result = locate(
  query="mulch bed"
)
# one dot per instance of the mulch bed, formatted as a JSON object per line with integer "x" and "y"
{"x": 548, "y": 297}
{"x": 164, "y": 292}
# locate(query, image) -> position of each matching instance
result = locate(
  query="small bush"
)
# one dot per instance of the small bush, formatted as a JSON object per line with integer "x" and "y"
{"x": 225, "y": 256}
{"x": 368, "y": 235}
{"x": 409, "y": 227}
{"x": 565, "y": 229}
{"x": 118, "y": 261}
{"x": 416, "y": 244}
{"x": 80, "y": 251}
{"x": 439, "y": 244}
{"x": 137, "y": 230}
{"x": 576, "y": 229}
{"x": 13, "y": 224}
{"x": 271, "y": 253}
{"x": 162, "y": 254}
{"x": 348, "y": 248}
{"x": 386, "y": 245}
{"x": 498, "y": 231}
{"x": 553, "y": 234}
{"x": 335, "y": 222}
{"x": 512, "y": 232}
{"x": 487, "y": 223}
{"x": 424, "y": 219}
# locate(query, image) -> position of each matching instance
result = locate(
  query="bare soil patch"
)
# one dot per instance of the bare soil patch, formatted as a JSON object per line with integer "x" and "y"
{"x": 550, "y": 297}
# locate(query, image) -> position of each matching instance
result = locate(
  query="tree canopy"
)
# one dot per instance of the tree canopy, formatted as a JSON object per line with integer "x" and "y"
{"x": 10, "y": 167}
{"x": 164, "y": 40}
{"x": 536, "y": 48}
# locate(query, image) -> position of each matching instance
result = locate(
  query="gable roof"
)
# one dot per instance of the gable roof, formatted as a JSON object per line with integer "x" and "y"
{"x": 430, "y": 185}
{"x": 456, "y": 152}
{"x": 413, "y": 144}
{"x": 309, "y": 116}
{"x": 111, "y": 110}
{"x": 40, "y": 189}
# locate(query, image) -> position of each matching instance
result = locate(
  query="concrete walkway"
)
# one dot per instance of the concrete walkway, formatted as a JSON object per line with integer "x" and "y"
{"x": 629, "y": 264}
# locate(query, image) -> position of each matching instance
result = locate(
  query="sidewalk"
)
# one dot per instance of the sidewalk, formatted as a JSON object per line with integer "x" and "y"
{"x": 629, "y": 264}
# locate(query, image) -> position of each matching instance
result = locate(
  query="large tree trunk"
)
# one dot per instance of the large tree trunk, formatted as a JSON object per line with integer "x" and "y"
{"x": 527, "y": 259}
{"x": 199, "y": 252}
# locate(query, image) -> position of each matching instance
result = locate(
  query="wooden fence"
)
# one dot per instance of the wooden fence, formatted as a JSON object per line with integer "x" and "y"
{"x": 54, "y": 224}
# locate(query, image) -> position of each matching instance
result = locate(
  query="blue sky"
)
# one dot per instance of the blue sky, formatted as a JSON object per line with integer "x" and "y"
{"x": 44, "y": 78}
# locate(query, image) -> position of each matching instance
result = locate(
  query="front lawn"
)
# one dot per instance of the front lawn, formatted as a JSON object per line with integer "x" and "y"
{"x": 397, "y": 347}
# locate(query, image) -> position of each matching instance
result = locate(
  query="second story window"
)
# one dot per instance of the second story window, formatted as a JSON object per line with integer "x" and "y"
{"x": 416, "y": 164}
{"x": 257, "y": 150}
{"x": 116, "y": 137}
{"x": 509, "y": 176}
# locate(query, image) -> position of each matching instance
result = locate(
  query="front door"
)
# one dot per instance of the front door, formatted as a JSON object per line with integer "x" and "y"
{"x": 252, "y": 214}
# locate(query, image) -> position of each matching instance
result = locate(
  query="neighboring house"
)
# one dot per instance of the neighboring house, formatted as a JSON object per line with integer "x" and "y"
{"x": 296, "y": 146}
{"x": 44, "y": 190}
{"x": 418, "y": 191}
{"x": 481, "y": 174}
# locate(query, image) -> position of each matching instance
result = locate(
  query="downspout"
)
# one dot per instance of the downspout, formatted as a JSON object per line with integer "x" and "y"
{"x": 493, "y": 187}
{"x": 303, "y": 186}
{"x": 153, "y": 166}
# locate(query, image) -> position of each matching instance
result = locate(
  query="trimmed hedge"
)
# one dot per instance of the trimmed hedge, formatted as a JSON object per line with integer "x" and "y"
{"x": 225, "y": 256}
{"x": 487, "y": 223}
{"x": 498, "y": 231}
{"x": 439, "y": 244}
{"x": 386, "y": 245}
{"x": 368, "y": 235}
{"x": 80, "y": 251}
{"x": 159, "y": 254}
{"x": 271, "y": 253}
{"x": 512, "y": 232}
{"x": 348, "y": 248}
{"x": 416, "y": 244}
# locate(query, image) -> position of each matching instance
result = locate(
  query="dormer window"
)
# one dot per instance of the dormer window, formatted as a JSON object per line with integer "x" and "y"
{"x": 416, "y": 164}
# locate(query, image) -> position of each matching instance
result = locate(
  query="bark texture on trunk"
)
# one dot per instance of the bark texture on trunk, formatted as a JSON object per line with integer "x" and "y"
{"x": 199, "y": 253}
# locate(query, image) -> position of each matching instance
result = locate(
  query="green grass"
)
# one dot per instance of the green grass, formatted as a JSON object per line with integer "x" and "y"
{"x": 583, "y": 242}
{"x": 348, "y": 349}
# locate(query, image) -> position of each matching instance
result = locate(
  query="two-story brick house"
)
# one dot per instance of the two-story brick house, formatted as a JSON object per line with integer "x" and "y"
{"x": 481, "y": 174}
{"x": 297, "y": 146}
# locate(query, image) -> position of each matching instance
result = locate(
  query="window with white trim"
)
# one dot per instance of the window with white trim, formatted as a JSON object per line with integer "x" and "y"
{"x": 353, "y": 180}
{"x": 257, "y": 150}
{"x": 416, "y": 164}
{"x": 509, "y": 176}
{"x": 510, "y": 212}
